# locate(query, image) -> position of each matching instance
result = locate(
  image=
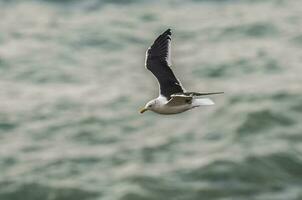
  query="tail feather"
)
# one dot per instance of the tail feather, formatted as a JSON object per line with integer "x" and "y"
{"x": 202, "y": 102}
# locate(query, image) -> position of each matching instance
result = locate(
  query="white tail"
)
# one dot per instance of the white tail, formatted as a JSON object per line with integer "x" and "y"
{"x": 202, "y": 102}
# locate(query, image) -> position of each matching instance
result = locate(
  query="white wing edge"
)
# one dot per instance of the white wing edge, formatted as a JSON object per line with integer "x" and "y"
{"x": 168, "y": 58}
{"x": 146, "y": 57}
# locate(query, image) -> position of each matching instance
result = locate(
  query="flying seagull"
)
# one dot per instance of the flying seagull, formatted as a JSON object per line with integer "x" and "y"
{"x": 173, "y": 98}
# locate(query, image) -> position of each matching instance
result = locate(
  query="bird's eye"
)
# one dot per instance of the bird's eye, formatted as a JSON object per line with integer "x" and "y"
{"x": 150, "y": 106}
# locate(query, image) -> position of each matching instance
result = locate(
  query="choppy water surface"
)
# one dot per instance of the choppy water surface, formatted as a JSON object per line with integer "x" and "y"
{"x": 72, "y": 80}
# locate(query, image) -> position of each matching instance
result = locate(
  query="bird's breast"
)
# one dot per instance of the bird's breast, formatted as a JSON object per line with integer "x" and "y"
{"x": 168, "y": 110}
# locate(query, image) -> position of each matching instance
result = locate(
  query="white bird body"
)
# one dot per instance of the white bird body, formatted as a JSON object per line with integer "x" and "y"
{"x": 161, "y": 105}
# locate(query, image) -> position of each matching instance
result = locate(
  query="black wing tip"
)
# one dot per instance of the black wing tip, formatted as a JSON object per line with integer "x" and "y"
{"x": 168, "y": 32}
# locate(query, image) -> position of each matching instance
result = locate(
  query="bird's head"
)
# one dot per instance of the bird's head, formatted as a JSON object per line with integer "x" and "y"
{"x": 149, "y": 106}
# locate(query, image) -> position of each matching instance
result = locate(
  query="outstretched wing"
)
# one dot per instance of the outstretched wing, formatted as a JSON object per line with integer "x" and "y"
{"x": 158, "y": 61}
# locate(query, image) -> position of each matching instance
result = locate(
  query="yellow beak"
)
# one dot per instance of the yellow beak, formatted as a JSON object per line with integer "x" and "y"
{"x": 143, "y": 110}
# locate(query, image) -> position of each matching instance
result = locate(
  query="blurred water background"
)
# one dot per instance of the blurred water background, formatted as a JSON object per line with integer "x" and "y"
{"x": 72, "y": 79}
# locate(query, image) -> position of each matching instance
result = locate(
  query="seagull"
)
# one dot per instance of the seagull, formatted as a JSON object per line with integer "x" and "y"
{"x": 172, "y": 98}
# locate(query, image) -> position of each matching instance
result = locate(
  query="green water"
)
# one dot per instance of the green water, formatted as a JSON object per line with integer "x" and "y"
{"x": 72, "y": 79}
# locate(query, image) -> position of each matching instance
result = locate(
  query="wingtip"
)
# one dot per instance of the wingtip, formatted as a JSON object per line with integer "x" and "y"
{"x": 168, "y": 31}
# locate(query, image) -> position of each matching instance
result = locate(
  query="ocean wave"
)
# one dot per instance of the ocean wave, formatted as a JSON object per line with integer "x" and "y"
{"x": 243, "y": 66}
{"x": 260, "y": 121}
{"x": 257, "y": 29}
{"x": 36, "y": 191}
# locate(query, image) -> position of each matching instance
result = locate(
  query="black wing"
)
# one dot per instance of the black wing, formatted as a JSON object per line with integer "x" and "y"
{"x": 158, "y": 62}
